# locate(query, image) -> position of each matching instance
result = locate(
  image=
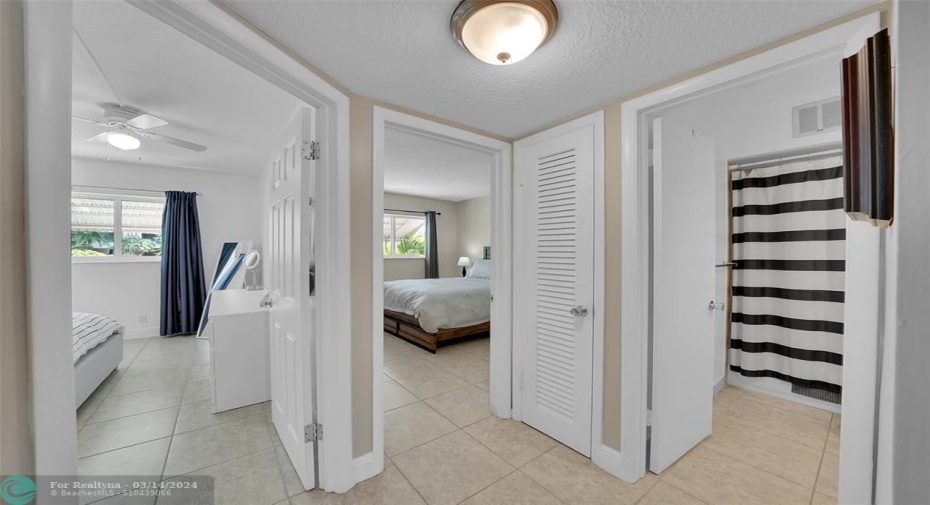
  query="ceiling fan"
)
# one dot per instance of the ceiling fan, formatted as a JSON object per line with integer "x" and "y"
{"x": 127, "y": 127}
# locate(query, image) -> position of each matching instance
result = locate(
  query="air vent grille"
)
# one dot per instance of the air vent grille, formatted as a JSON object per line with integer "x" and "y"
{"x": 816, "y": 117}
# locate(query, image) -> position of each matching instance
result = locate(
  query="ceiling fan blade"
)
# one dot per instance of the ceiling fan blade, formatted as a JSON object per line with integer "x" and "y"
{"x": 146, "y": 121}
{"x": 100, "y": 137}
{"x": 173, "y": 141}
{"x": 98, "y": 123}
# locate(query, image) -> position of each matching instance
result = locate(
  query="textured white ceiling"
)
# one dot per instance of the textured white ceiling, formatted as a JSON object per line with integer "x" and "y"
{"x": 206, "y": 98}
{"x": 401, "y": 51}
{"x": 421, "y": 166}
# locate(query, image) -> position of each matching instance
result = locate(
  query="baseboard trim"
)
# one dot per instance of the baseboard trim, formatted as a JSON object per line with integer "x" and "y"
{"x": 753, "y": 384}
{"x": 140, "y": 333}
{"x": 722, "y": 383}
{"x": 608, "y": 459}
{"x": 365, "y": 467}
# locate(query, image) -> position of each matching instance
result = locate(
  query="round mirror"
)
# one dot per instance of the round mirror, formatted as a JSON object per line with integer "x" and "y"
{"x": 252, "y": 260}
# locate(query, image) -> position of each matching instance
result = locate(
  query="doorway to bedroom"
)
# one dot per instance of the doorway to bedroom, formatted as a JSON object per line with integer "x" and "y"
{"x": 437, "y": 292}
{"x": 179, "y": 164}
{"x": 441, "y": 286}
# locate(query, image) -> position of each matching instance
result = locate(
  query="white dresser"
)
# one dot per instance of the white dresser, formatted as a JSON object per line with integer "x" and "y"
{"x": 239, "y": 349}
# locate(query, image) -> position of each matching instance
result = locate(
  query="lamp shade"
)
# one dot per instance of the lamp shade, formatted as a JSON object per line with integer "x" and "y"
{"x": 464, "y": 261}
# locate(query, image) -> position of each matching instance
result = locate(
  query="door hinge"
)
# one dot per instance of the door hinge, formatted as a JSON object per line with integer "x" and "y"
{"x": 648, "y": 417}
{"x": 313, "y": 432}
{"x": 310, "y": 150}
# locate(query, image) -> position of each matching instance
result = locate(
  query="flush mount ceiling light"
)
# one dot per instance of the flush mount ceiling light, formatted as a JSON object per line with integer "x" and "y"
{"x": 123, "y": 140}
{"x": 503, "y": 32}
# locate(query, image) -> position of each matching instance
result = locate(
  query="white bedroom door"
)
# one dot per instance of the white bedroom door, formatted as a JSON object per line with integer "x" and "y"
{"x": 291, "y": 317}
{"x": 556, "y": 285}
{"x": 683, "y": 290}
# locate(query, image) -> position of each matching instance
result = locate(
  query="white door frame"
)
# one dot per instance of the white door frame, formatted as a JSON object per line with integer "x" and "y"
{"x": 860, "y": 360}
{"x": 48, "y": 64}
{"x": 501, "y": 271}
{"x": 47, "y": 32}
{"x": 602, "y": 455}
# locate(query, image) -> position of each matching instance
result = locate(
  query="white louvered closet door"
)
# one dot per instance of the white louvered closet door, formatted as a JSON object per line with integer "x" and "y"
{"x": 557, "y": 288}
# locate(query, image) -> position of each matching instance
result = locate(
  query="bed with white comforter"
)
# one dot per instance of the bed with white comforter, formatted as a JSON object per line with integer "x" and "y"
{"x": 97, "y": 348}
{"x": 441, "y": 303}
{"x": 89, "y": 330}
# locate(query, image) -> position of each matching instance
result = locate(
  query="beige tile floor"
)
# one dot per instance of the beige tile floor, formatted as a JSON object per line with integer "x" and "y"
{"x": 153, "y": 416}
{"x": 442, "y": 444}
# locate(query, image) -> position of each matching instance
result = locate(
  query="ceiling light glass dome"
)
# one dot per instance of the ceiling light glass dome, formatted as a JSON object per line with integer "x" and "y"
{"x": 503, "y": 33}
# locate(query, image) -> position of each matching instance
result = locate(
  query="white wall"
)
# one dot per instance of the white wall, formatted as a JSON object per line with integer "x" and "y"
{"x": 230, "y": 209}
{"x": 474, "y": 227}
{"x": 16, "y": 436}
{"x": 447, "y": 238}
{"x": 754, "y": 120}
{"x": 904, "y": 441}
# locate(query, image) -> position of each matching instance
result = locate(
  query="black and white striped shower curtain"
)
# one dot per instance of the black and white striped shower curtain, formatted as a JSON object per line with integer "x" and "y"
{"x": 789, "y": 232}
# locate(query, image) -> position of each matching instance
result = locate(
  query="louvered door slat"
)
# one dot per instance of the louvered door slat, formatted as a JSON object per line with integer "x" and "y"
{"x": 555, "y": 408}
{"x": 562, "y": 367}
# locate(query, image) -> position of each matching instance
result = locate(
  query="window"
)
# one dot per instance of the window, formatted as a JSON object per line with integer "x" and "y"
{"x": 404, "y": 236}
{"x": 114, "y": 227}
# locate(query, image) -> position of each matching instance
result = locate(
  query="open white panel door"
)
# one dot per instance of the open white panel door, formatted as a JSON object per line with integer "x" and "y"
{"x": 291, "y": 317}
{"x": 683, "y": 290}
{"x": 556, "y": 294}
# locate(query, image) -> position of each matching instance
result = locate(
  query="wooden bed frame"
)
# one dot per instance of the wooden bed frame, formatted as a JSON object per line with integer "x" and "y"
{"x": 408, "y": 328}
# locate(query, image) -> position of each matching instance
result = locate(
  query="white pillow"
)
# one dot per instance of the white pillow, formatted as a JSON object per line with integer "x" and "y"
{"x": 481, "y": 269}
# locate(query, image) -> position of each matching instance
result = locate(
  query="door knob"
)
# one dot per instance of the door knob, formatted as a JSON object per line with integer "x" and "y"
{"x": 711, "y": 306}
{"x": 579, "y": 311}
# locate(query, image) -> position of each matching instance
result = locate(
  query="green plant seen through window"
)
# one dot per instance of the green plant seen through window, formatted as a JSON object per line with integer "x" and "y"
{"x": 411, "y": 246}
{"x": 86, "y": 253}
{"x": 91, "y": 243}
{"x": 140, "y": 245}
{"x": 404, "y": 235}
{"x": 113, "y": 226}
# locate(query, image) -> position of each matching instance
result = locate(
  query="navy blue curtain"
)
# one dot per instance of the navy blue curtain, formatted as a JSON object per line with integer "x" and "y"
{"x": 432, "y": 247}
{"x": 183, "y": 291}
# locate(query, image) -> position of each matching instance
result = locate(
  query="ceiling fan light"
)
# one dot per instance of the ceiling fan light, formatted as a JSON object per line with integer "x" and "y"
{"x": 503, "y": 33}
{"x": 123, "y": 140}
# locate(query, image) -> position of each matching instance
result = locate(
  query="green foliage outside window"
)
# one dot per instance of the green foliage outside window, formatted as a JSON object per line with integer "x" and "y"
{"x": 411, "y": 246}
{"x": 91, "y": 243}
{"x": 139, "y": 245}
{"x": 404, "y": 235}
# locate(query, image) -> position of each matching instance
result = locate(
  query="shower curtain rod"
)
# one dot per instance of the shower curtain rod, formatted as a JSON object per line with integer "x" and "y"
{"x": 90, "y": 189}
{"x": 796, "y": 155}
{"x": 411, "y": 211}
